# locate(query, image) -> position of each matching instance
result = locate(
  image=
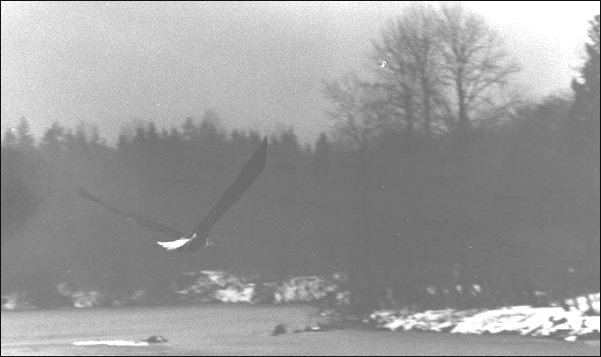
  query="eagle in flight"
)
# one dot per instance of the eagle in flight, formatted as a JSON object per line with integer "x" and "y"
{"x": 199, "y": 237}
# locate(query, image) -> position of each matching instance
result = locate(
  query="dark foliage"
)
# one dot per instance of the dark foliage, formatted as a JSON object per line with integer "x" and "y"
{"x": 516, "y": 213}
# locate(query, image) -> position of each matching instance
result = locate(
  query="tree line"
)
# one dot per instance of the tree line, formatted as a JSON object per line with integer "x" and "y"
{"x": 437, "y": 176}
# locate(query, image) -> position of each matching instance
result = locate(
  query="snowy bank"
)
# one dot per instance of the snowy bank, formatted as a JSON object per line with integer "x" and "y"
{"x": 220, "y": 286}
{"x": 576, "y": 319}
{"x": 577, "y": 323}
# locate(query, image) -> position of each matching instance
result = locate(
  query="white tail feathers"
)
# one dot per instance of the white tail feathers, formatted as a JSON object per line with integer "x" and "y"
{"x": 176, "y": 243}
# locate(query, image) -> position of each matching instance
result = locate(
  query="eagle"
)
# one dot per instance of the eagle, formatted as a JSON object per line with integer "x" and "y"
{"x": 199, "y": 237}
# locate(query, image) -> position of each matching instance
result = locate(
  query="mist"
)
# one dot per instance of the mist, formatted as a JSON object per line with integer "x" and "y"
{"x": 366, "y": 159}
{"x": 259, "y": 65}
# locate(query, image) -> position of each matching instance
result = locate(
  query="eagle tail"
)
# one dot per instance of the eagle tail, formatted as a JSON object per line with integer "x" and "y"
{"x": 176, "y": 244}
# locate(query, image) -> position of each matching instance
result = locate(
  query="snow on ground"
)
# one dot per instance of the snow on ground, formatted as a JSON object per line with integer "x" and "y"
{"x": 17, "y": 301}
{"x": 138, "y": 343}
{"x": 576, "y": 324}
{"x": 311, "y": 288}
{"x": 219, "y": 286}
{"x": 206, "y": 286}
{"x": 111, "y": 343}
{"x": 577, "y": 319}
{"x": 82, "y": 297}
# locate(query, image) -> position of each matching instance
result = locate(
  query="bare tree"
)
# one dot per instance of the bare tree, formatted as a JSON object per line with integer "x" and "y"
{"x": 357, "y": 110}
{"x": 432, "y": 69}
{"x": 409, "y": 65}
{"x": 394, "y": 80}
{"x": 475, "y": 63}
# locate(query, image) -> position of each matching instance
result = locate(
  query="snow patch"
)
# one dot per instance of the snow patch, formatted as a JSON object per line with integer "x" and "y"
{"x": 111, "y": 343}
{"x": 556, "y": 322}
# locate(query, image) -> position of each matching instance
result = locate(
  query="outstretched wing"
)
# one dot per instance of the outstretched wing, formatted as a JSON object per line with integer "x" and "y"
{"x": 251, "y": 170}
{"x": 131, "y": 217}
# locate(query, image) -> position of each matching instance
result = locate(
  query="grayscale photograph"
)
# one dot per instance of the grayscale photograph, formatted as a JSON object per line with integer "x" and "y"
{"x": 390, "y": 178}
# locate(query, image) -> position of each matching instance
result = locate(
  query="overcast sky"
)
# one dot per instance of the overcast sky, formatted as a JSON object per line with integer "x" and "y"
{"x": 259, "y": 65}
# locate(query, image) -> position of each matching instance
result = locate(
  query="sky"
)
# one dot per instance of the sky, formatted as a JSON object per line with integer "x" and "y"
{"x": 259, "y": 65}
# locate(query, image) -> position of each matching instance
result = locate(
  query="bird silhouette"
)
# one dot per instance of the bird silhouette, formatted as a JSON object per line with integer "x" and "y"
{"x": 199, "y": 237}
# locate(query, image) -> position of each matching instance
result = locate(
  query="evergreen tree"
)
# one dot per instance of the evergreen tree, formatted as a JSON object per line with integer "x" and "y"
{"x": 322, "y": 159}
{"x": 52, "y": 140}
{"x": 24, "y": 137}
{"x": 189, "y": 129}
{"x": 9, "y": 139}
{"x": 585, "y": 120}
{"x": 122, "y": 144}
